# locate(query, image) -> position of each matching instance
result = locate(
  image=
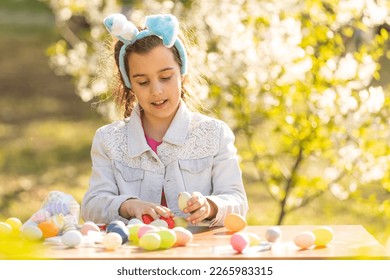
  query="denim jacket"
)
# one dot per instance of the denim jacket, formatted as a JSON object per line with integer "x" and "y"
{"x": 197, "y": 154}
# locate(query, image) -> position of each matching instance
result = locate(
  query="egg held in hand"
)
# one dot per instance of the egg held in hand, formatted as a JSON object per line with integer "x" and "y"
{"x": 183, "y": 199}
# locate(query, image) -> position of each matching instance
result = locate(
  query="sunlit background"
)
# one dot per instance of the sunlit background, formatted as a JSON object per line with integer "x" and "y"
{"x": 303, "y": 84}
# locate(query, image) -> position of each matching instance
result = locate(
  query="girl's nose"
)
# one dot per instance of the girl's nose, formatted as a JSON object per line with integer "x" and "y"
{"x": 157, "y": 88}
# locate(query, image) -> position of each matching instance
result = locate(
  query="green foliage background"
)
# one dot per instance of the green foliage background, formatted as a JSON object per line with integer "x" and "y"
{"x": 46, "y": 129}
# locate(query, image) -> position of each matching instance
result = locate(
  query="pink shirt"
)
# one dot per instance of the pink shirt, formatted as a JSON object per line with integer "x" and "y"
{"x": 154, "y": 144}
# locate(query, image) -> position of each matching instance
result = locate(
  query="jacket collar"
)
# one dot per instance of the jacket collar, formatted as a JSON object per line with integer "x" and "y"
{"x": 176, "y": 133}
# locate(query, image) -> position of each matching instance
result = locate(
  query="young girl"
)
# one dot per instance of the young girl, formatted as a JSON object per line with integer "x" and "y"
{"x": 161, "y": 148}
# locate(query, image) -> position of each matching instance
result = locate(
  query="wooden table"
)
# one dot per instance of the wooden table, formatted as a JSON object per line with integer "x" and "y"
{"x": 350, "y": 242}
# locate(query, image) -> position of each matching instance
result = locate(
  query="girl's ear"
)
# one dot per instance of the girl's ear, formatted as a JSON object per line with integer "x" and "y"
{"x": 183, "y": 78}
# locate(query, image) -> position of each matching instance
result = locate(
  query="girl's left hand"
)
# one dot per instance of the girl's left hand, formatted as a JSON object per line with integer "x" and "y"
{"x": 200, "y": 208}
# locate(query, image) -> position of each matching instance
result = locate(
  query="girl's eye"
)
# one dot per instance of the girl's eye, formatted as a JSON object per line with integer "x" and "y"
{"x": 166, "y": 78}
{"x": 143, "y": 83}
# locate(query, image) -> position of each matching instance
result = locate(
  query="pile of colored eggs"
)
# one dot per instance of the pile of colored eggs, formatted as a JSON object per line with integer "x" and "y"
{"x": 151, "y": 237}
{"x": 146, "y": 236}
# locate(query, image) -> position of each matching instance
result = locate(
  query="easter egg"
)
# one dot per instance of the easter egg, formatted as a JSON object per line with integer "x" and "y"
{"x": 273, "y": 234}
{"x": 48, "y": 229}
{"x": 159, "y": 223}
{"x": 183, "y": 236}
{"x": 180, "y": 222}
{"x": 123, "y": 231}
{"x": 15, "y": 224}
{"x": 32, "y": 233}
{"x": 168, "y": 238}
{"x": 144, "y": 229}
{"x": 133, "y": 232}
{"x": 150, "y": 241}
{"x": 254, "y": 239}
{"x": 170, "y": 222}
{"x": 87, "y": 226}
{"x": 5, "y": 229}
{"x": 323, "y": 235}
{"x": 239, "y": 241}
{"x": 115, "y": 223}
{"x": 234, "y": 222}
{"x": 111, "y": 241}
{"x": 147, "y": 219}
{"x": 182, "y": 200}
{"x": 71, "y": 238}
{"x": 134, "y": 221}
{"x": 304, "y": 239}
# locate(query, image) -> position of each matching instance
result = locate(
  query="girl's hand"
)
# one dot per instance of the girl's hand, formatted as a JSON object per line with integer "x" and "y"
{"x": 136, "y": 208}
{"x": 200, "y": 208}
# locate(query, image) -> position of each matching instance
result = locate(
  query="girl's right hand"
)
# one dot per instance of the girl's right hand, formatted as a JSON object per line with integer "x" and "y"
{"x": 136, "y": 208}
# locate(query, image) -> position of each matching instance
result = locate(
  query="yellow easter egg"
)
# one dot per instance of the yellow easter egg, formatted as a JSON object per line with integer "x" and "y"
{"x": 180, "y": 222}
{"x": 235, "y": 222}
{"x": 254, "y": 239}
{"x": 15, "y": 223}
{"x": 323, "y": 235}
{"x": 5, "y": 229}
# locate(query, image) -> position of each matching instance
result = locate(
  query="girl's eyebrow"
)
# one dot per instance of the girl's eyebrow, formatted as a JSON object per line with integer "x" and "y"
{"x": 162, "y": 70}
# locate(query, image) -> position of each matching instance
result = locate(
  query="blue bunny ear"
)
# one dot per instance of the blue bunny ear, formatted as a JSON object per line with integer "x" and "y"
{"x": 120, "y": 27}
{"x": 164, "y": 26}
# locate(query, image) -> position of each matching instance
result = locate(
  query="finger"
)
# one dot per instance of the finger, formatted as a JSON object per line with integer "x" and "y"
{"x": 196, "y": 196}
{"x": 152, "y": 212}
{"x": 162, "y": 211}
{"x": 198, "y": 216}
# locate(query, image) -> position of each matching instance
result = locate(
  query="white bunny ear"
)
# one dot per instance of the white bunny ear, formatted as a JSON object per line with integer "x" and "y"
{"x": 129, "y": 31}
{"x": 115, "y": 23}
{"x": 120, "y": 27}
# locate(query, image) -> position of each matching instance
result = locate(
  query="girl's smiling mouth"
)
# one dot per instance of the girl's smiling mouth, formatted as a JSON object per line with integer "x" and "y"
{"x": 159, "y": 103}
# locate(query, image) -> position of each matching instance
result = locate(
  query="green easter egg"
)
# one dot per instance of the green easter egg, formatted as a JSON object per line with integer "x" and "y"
{"x": 168, "y": 238}
{"x": 133, "y": 232}
{"x": 150, "y": 241}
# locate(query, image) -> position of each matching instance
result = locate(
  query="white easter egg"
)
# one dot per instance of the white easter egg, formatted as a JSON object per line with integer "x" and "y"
{"x": 72, "y": 238}
{"x": 32, "y": 233}
{"x": 183, "y": 199}
{"x": 273, "y": 234}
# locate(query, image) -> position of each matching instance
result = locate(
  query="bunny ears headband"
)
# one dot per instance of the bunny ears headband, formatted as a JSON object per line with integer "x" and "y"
{"x": 166, "y": 27}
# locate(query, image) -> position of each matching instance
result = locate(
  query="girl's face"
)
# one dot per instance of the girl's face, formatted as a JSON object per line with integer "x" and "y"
{"x": 156, "y": 81}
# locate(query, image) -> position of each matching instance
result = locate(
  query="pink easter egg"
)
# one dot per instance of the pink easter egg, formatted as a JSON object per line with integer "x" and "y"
{"x": 305, "y": 239}
{"x": 239, "y": 241}
{"x": 183, "y": 236}
{"x": 87, "y": 226}
{"x": 144, "y": 229}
